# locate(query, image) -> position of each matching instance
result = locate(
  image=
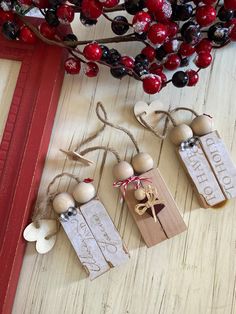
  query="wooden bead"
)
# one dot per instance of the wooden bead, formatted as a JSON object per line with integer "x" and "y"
{"x": 62, "y": 202}
{"x": 84, "y": 192}
{"x": 139, "y": 194}
{"x": 142, "y": 162}
{"x": 180, "y": 134}
{"x": 202, "y": 125}
{"x": 123, "y": 170}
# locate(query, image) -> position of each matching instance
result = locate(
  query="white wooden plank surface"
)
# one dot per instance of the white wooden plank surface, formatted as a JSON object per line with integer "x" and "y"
{"x": 193, "y": 273}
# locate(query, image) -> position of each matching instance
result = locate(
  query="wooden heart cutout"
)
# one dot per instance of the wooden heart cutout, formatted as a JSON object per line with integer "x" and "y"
{"x": 46, "y": 228}
{"x": 149, "y": 109}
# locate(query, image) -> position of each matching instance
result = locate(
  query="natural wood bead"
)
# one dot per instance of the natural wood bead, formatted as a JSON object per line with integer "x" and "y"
{"x": 139, "y": 194}
{"x": 62, "y": 202}
{"x": 142, "y": 162}
{"x": 123, "y": 170}
{"x": 84, "y": 192}
{"x": 180, "y": 134}
{"x": 202, "y": 125}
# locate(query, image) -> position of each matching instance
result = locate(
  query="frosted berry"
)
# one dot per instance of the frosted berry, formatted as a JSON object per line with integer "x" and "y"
{"x": 171, "y": 45}
{"x": 127, "y": 61}
{"x": 193, "y": 77}
{"x": 118, "y": 71}
{"x": 205, "y": 15}
{"x": 203, "y": 59}
{"x": 27, "y": 36}
{"x": 149, "y": 52}
{"x": 91, "y": 69}
{"x": 153, "y": 5}
{"x": 191, "y": 32}
{"x": 65, "y": 14}
{"x": 72, "y": 66}
{"x": 134, "y": 6}
{"x": 218, "y": 33}
{"x": 157, "y": 33}
{"x": 172, "y": 62}
{"x": 186, "y": 50}
{"x": 120, "y": 25}
{"x": 91, "y": 9}
{"x": 141, "y": 22}
{"x": 47, "y": 30}
{"x": 10, "y": 30}
{"x": 180, "y": 79}
{"x": 164, "y": 13}
{"x": 110, "y": 3}
{"x": 204, "y": 45}
{"x": 151, "y": 83}
{"x": 92, "y": 52}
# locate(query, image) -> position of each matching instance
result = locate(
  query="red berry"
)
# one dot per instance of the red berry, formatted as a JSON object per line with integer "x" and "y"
{"x": 230, "y": 4}
{"x": 42, "y": 4}
{"x": 27, "y": 36}
{"x": 72, "y": 66}
{"x": 6, "y": 16}
{"x": 163, "y": 79}
{"x": 157, "y": 33}
{"x": 47, "y": 30}
{"x": 151, "y": 83}
{"x": 164, "y": 13}
{"x": 65, "y": 14}
{"x": 127, "y": 61}
{"x": 204, "y": 45}
{"x": 141, "y": 22}
{"x": 25, "y": 3}
{"x": 92, "y": 52}
{"x": 171, "y": 45}
{"x": 91, "y": 69}
{"x": 153, "y": 5}
{"x": 205, "y": 15}
{"x": 110, "y": 3}
{"x": 149, "y": 52}
{"x": 192, "y": 77}
{"x": 186, "y": 50}
{"x": 203, "y": 59}
{"x": 172, "y": 62}
{"x": 209, "y": 1}
{"x": 155, "y": 68}
{"x": 91, "y": 9}
{"x": 172, "y": 28}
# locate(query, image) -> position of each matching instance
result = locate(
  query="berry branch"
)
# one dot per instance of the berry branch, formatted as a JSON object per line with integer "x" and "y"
{"x": 173, "y": 35}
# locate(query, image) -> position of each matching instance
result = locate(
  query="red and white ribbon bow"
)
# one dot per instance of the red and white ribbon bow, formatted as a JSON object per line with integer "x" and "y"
{"x": 136, "y": 180}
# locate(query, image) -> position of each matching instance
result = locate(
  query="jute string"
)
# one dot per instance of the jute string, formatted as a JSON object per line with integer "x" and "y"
{"x": 115, "y": 126}
{"x": 169, "y": 117}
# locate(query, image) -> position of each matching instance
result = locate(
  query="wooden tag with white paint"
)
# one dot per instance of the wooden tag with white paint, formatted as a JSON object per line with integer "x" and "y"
{"x": 105, "y": 233}
{"x": 221, "y": 163}
{"x": 85, "y": 245}
{"x": 170, "y": 222}
{"x": 200, "y": 172}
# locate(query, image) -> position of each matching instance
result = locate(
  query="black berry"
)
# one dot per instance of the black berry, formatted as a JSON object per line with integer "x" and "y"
{"x": 120, "y": 25}
{"x": 10, "y": 30}
{"x": 51, "y": 18}
{"x": 118, "y": 71}
{"x": 134, "y": 6}
{"x": 180, "y": 79}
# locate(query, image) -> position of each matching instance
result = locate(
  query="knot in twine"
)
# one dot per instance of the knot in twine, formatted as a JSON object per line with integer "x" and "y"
{"x": 152, "y": 200}
{"x": 134, "y": 179}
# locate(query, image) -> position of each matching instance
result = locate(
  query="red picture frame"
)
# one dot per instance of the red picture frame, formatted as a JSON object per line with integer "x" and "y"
{"x": 23, "y": 149}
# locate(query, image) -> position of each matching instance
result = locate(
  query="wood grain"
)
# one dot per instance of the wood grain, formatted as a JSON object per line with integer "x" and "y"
{"x": 170, "y": 222}
{"x": 193, "y": 273}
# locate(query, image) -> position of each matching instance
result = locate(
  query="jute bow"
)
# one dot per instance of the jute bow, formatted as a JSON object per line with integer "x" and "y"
{"x": 152, "y": 200}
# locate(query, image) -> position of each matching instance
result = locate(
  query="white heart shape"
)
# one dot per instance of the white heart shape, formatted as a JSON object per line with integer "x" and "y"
{"x": 46, "y": 228}
{"x": 149, "y": 109}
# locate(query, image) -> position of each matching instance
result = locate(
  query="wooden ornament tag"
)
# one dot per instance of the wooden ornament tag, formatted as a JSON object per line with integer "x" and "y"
{"x": 85, "y": 245}
{"x": 95, "y": 239}
{"x": 105, "y": 233}
{"x": 204, "y": 180}
{"x": 170, "y": 222}
{"x": 221, "y": 163}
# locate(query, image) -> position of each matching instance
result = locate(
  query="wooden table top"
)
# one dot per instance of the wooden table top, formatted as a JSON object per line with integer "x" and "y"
{"x": 193, "y": 273}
